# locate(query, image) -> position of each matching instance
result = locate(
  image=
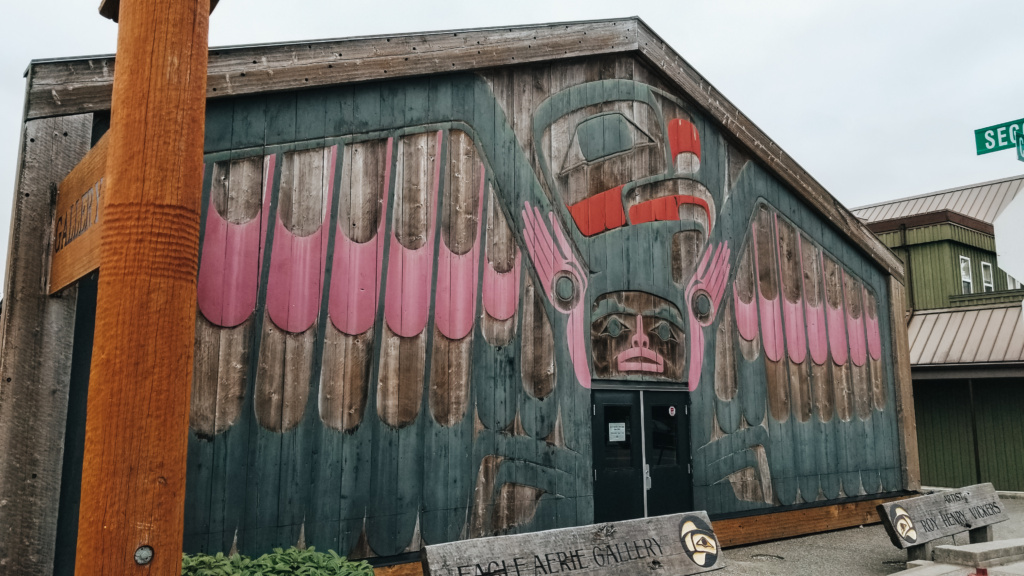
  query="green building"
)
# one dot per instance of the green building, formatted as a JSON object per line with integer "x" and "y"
{"x": 965, "y": 329}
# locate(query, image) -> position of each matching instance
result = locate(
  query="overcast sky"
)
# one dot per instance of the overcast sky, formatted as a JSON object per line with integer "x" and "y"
{"x": 876, "y": 99}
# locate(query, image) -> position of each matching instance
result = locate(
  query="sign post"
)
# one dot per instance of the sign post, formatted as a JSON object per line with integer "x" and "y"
{"x": 133, "y": 477}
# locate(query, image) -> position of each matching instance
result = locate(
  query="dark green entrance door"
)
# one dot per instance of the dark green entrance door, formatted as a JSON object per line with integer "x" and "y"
{"x": 641, "y": 454}
{"x": 667, "y": 449}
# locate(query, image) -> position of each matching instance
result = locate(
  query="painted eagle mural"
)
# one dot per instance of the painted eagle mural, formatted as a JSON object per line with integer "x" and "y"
{"x": 407, "y": 290}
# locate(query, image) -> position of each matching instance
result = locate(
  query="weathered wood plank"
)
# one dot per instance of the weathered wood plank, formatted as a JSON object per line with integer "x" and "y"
{"x": 36, "y": 339}
{"x": 679, "y": 543}
{"x": 906, "y": 418}
{"x": 916, "y": 521}
{"x": 75, "y": 86}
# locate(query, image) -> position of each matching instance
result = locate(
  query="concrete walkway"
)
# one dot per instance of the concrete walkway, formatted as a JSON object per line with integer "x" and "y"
{"x": 853, "y": 551}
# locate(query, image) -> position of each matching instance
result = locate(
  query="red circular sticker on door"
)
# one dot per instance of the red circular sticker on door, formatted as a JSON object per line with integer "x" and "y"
{"x": 671, "y": 410}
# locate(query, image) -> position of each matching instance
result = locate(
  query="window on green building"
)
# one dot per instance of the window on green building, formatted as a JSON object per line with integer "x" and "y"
{"x": 987, "y": 279}
{"x": 965, "y": 275}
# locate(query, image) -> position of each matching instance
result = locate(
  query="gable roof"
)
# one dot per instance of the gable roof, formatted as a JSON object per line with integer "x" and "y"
{"x": 79, "y": 85}
{"x": 981, "y": 202}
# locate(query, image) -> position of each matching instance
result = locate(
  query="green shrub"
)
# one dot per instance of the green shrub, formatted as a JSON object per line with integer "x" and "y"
{"x": 307, "y": 562}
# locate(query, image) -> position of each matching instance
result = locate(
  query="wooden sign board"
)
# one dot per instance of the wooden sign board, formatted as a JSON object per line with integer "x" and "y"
{"x": 677, "y": 544}
{"x": 75, "y": 245}
{"x": 915, "y": 521}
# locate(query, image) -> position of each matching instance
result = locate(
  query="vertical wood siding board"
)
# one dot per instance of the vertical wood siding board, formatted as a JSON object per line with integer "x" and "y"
{"x": 863, "y": 448}
{"x": 198, "y": 480}
{"x": 326, "y": 461}
{"x": 308, "y": 442}
{"x": 891, "y": 479}
{"x": 1016, "y": 470}
{"x": 903, "y": 385}
{"x": 311, "y": 115}
{"x": 379, "y": 434}
{"x": 435, "y": 483}
{"x": 218, "y": 126}
{"x": 348, "y": 453}
{"x": 249, "y": 121}
{"x": 267, "y": 444}
{"x": 231, "y": 484}
{"x": 281, "y": 118}
{"x": 249, "y": 442}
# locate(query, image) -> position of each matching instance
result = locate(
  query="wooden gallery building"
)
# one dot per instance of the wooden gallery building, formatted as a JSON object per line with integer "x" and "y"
{"x": 477, "y": 282}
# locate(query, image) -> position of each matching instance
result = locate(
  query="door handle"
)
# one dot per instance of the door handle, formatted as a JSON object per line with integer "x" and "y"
{"x": 647, "y": 476}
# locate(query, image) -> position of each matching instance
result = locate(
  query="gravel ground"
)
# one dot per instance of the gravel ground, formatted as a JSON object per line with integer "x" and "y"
{"x": 854, "y": 551}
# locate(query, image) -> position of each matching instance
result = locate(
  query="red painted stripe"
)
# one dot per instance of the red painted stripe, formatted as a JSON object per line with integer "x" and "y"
{"x": 599, "y": 213}
{"x": 664, "y": 209}
{"x": 683, "y": 137}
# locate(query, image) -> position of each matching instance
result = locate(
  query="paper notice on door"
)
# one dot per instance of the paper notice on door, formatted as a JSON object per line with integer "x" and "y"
{"x": 616, "y": 431}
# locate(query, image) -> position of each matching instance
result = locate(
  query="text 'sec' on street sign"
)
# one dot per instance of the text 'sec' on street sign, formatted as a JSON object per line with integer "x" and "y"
{"x": 999, "y": 137}
{"x": 76, "y": 221}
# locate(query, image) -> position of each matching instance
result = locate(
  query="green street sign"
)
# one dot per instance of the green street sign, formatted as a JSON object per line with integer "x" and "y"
{"x": 998, "y": 137}
{"x": 1020, "y": 148}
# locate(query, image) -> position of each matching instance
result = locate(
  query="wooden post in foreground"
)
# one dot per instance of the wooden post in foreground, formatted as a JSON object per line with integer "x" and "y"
{"x": 133, "y": 481}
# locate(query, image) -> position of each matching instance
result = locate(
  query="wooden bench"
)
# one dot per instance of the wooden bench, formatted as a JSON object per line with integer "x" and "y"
{"x": 914, "y": 523}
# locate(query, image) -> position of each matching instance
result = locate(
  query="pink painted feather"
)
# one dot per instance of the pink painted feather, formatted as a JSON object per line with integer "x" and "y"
{"x": 229, "y": 272}
{"x": 793, "y": 312}
{"x": 407, "y": 295}
{"x": 455, "y": 299}
{"x": 874, "y": 334}
{"x": 771, "y": 314}
{"x": 295, "y": 283}
{"x": 817, "y": 335}
{"x": 836, "y": 325}
{"x": 357, "y": 268}
{"x": 855, "y": 329}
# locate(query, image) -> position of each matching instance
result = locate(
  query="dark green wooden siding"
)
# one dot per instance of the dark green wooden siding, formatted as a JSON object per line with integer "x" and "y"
{"x": 934, "y": 276}
{"x": 944, "y": 433}
{"x": 946, "y": 440}
{"x": 999, "y": 404}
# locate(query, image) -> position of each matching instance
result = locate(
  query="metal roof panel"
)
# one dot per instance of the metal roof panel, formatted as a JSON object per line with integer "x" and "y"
{"x": 970, "y": 335}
